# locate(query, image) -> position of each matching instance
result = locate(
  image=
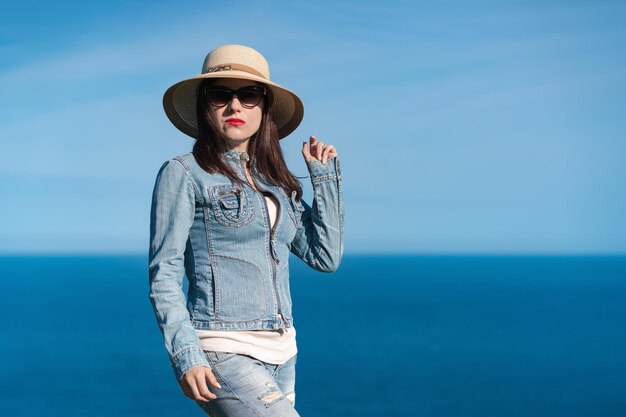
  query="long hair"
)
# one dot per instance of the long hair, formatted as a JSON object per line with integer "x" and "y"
{"x": 264, "y": 150}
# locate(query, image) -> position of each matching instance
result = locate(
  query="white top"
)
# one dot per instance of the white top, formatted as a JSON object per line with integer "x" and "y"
{"x": 271, "y": 208}
{"x": 271, "y": 346}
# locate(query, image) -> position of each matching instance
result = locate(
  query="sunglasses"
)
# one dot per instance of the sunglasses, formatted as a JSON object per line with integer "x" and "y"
{"x": 249, "y": 97}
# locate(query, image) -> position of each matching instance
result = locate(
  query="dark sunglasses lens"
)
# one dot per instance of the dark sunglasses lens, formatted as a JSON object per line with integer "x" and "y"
{"x": 250, "y": 97}
{"x": 219, "y": 97}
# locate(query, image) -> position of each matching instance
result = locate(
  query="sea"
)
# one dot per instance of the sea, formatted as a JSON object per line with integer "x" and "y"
{"x": 384, "y": 336}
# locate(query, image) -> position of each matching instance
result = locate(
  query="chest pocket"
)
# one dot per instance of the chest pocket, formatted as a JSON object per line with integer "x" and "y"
{"x": 296, "y": 210}
{"x": 231, "y": 205}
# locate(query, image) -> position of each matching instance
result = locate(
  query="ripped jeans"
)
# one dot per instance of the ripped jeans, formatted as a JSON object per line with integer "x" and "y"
{"x": 251, "y": 387}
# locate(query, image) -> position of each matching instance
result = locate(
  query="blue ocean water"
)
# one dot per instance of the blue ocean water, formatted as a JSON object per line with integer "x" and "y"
{"x": 435, "y": 336}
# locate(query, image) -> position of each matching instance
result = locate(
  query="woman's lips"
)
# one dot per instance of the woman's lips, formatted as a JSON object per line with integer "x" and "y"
{"x": 235, "y": 122}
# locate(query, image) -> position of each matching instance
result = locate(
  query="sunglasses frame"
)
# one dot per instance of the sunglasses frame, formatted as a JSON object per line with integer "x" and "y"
{"x": 234, "y": 93}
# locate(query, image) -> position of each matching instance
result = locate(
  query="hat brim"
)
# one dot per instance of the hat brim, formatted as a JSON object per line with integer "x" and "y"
{"x": 179, "y": 103}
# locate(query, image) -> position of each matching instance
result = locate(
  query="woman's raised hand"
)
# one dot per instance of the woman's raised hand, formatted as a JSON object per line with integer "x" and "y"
{"x": 194, "y": 383}
{"x": 316, "y": 149}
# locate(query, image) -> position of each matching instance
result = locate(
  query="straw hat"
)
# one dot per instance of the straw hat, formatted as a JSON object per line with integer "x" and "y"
{"x": 231, "y": 61}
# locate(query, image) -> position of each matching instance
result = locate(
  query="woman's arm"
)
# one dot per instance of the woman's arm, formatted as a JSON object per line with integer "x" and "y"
{"x": 319, "y": 238}
{"x": 171, "y": 217}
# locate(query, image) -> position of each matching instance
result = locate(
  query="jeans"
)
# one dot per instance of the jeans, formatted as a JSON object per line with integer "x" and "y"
{"x": 251, "y": 387}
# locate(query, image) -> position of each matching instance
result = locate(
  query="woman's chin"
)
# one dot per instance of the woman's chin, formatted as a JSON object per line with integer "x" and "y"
{"x": 237, "y": 141}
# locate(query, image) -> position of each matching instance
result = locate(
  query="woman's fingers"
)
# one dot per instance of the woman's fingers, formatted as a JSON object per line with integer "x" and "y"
{"x": 316, "y": 149}
{"x": 212, "y": 380}
{"x": 329, "y": 152}
{"x": 309, "y": 150}
{"x": 186, "y": 389}
{"x": 319, "y": 149}
{"x": 203, "y": 389}
{"x": 306, "y": 152}
{"x": 194, "y": 384}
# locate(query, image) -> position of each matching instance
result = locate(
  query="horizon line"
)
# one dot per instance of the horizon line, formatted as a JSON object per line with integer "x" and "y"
{"x": 353, "y": 253}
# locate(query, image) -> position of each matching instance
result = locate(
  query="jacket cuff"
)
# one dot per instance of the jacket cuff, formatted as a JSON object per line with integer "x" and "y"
{"x": 186, "y": 359}
{"x": 323, "y": 172}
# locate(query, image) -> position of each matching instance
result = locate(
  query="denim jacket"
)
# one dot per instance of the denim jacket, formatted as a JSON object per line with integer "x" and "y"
{"x": 218, "y": 234}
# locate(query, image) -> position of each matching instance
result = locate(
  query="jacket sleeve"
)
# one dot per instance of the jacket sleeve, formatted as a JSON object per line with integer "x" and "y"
{"x": 319, "y": 238}
{"x": 171, "y": 217}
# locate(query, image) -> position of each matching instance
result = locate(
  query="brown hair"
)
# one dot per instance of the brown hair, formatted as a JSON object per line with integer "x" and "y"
{"x": 263, "y": 148}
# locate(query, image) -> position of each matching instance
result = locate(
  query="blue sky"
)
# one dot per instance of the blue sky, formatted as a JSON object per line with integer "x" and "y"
{"x": 462, "y": 127}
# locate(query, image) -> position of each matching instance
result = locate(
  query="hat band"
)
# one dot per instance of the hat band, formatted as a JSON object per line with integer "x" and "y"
{"x": 235, "y": 67}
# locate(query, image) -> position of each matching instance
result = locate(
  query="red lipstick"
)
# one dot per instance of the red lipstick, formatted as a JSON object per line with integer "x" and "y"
{"x": 235, "y": 122}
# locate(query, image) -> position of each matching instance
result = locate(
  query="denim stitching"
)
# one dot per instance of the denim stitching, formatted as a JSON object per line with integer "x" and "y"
{"x": 218, "y": 212}
{"x": 196, "y": 191}
{"x": 249, "y": 263}
{"x": 193, "y": 274}
{"x": 201, "y": 202}
{"x": 322, "y": 178}
{"x": 339, "y": 204}
{"x": 214, "y": 274}
{"x": 179, "y": 352}
{"x": 198, "y": 199}
{"x": 267, "y": 324}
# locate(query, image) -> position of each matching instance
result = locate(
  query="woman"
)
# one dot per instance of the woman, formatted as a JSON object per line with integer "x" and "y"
{"x": 227, "y": 215}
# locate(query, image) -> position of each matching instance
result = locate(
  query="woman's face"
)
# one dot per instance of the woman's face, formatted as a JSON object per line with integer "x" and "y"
{"x": 236, "y": 122}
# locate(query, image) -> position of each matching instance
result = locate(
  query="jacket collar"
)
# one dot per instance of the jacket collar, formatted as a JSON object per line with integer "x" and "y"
{"x": 232, "y": 154}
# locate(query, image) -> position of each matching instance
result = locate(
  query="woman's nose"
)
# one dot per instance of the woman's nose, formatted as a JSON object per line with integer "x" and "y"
{"x": 235, "y": 104}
